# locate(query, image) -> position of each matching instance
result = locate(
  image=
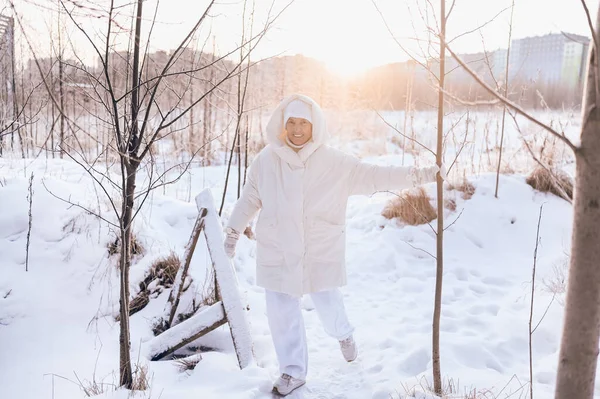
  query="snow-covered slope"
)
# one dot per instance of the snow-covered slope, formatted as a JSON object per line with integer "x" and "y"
{"x": 57, "y": 320}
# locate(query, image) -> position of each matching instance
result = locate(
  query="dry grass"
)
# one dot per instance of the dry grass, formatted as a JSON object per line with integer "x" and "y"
{"x": 450, "y": 204}
{"x": 413, "y": 207}
{"x": 507, "y": 169}
{"x": 94, "y": 388}
{"x": 451, "y": 390}
{"x": 188, "y": 363}
{"x": 114, "y": 247}
{"x": 553, "y": 181}
{"x": 187, "y": 315}
{"x": 141, "y": 380}
{"x": 466, "y": 188}
{"x": 556, "y": 284}
{"x": 208, "y": 297}
{"x": 163, "y": 272}
{"x": 159, "y": 326}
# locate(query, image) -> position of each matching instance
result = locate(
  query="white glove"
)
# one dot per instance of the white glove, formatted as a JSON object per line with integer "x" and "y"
{"x": 231, "y": 240}
{"x": 443, "y": 172}
{"x": 428, "y": 174}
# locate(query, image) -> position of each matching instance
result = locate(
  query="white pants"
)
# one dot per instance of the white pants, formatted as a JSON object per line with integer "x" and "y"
{"x": 287, "y": 326}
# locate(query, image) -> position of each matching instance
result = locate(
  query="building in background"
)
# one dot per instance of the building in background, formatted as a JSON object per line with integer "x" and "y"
{"x": 555, "y": 59}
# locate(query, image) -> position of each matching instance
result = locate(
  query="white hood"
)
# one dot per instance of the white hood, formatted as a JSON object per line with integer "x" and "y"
{"x": 275, "y": 130}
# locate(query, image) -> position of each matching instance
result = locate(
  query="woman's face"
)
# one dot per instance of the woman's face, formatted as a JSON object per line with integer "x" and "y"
{"x": 299, "y": 130}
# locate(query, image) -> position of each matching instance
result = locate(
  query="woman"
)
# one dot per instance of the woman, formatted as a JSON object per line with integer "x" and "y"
{"x": 301, "y": 187}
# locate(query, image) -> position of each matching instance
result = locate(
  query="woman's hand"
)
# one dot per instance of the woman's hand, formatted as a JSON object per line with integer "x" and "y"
{"x": 428, "y": 174}
{"x": 231, "y": 240}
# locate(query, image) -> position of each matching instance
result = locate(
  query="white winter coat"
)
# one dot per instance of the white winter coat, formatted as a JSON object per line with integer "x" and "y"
{"x": 300, "y": 231}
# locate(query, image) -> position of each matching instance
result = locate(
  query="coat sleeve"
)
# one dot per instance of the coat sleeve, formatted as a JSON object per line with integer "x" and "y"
{"x": 249, "y": 202}
{"x": 366, "y": 179}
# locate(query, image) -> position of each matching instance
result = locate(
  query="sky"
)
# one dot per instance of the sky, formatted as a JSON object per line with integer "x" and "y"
{"x": 349, "y": 36}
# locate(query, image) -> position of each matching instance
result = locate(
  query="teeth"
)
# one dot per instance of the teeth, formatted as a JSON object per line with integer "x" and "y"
{"x": 298, "y": 135}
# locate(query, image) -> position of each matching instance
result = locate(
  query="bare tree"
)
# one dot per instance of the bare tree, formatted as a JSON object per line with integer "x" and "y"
{"x": 506, "y": 76}
{"x": 138, "y": 118}
{"x": 581, "y": 328}
{"x": 439, "y": 259}
{"x": 61, "y": 90}
{"x": 242, "y": 88}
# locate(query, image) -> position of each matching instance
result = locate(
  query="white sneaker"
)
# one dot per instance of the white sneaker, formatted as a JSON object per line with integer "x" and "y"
{"x": 349, "y": 350}
{"x": 286, "y": 384}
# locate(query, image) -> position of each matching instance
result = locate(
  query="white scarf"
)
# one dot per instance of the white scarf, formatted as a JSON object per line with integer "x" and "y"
{"x": 289, "y": 142}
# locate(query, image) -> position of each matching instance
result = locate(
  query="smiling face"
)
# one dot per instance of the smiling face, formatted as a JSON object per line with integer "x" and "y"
{"x": 299, "y": 130}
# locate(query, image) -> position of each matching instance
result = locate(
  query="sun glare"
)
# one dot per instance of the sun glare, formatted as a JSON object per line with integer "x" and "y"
{"x": 339, "y": 33}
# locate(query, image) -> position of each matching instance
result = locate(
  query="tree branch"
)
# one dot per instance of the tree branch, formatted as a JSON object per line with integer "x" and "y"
{"x": 509, "y": 103}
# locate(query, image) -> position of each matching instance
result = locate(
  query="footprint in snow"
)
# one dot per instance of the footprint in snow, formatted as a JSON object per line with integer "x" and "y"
{"x": 490, "y": 309}
{"x": 375, "y": 369}
{"x": 475, "y": 273}
{"x": 545, "y": 378}
{"x": 474, "y": 321}
{"x": 415, "y": 363}
{"x": 461, "y": 274}
{"x": 478, "y": 289}
{"x": 412, "y": 288}
{"x": 449, "y": 326}
{"x": 387, "y": 343}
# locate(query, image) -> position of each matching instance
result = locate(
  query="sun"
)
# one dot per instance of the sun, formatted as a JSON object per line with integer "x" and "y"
{"x": 348, "y": 36}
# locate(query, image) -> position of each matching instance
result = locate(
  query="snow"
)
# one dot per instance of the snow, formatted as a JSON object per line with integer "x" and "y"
{"x": 57, "y": 321}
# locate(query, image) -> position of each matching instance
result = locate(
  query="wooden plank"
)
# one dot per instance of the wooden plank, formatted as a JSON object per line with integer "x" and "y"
{"x": 175, "y": 295}
{"x": 186, "y": 332}
{"x": 235, "y": 311}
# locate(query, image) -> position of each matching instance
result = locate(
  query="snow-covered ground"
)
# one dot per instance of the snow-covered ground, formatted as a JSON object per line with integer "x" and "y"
{"x": 57, "y": 326}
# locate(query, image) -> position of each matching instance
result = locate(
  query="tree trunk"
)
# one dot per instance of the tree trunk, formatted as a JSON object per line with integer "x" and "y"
{"x": 130, "y": 164}
{"x": 191, "y": 139}
{"x": 581, "y": 328}
{"x": 227, "y": 174}
{"x": 126, "y": 377}
{"x": 61, "y": 97}
{"x": 437, "y": 310}
{"x": 246, "y": 150}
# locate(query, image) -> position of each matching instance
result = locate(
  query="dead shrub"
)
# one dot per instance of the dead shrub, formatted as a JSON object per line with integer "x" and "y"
{"x": 507, "y": 169}
{"x": 556, "y": 284}
{"x": 93, "y": 387}
{"x": 164, "y": 269}
{"x": 159, "y": 327}
{"x": 114, "y": 247}
{"x": 450, "y": 204}
{"x": 553, "y": 181}
{"x": 411, "y": 206}
{"x": 466, "y": 188}
{"x": 163, "y": 272}
{"x": 186, "y": 315}
{"x": 141, "y": 380}
{"x": 208, "y": 297}
{"x": 210, "y": 294}
{"x": 451, "y": 389}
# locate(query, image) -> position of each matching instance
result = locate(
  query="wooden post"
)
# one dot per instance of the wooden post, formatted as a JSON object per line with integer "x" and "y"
{"x": 173, "y": 301}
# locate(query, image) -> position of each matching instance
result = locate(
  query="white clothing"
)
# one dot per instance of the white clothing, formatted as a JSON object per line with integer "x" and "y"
{"x": 297, "y": 109}
{"x": 287, "y": 326}
{"x": 301, "y": 231}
